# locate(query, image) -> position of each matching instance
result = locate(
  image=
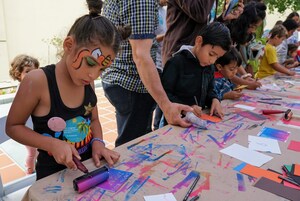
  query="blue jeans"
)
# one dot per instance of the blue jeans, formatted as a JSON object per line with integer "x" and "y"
{"x": 133, "y": 112}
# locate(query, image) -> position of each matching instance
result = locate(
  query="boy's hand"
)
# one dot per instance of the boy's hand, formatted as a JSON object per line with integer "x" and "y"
{"x": 233, "y": 94}
{"x": 197, "y": 110}
{"x": 173, "y": 114}
{"x": 254, "y": 84}
{"x": 216, "y": 108}
{"x": 99, "y": 151}
{"x": 291, "y": 73}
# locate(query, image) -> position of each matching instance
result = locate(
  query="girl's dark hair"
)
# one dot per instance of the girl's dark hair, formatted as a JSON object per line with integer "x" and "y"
{"x": 278, "y": 30}
{"x": 292, "y": 14}
{"x": 231, "y": 56}
{"x": 216, "y": 34}
{"x": 290, "y": 24}
{"x": 292, "y": 48}
{"x": 252, "y": 14}
{"x": 93, "y": 27}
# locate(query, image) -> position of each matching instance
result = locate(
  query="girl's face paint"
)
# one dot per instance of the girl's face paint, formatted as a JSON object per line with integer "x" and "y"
{"x": 89, "y": 63}
{"x": 93, "y": 58}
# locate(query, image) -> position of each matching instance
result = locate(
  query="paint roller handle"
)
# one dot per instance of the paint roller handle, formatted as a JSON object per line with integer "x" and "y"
{"x": 80, "y": 165}
{"x": 272, "y": 111}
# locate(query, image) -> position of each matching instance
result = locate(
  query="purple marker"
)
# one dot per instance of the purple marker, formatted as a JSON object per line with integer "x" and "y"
{"x": 91, "y": 179}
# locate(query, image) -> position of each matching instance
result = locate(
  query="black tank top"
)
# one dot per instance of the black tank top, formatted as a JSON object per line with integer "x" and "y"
{"x": 69, "y": 124}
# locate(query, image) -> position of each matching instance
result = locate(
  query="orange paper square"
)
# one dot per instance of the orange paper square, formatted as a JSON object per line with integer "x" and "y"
{"x": 259, "y": 172}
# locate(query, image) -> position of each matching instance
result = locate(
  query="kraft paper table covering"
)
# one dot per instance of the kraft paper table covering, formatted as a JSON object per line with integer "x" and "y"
{"x": 162, "y": 160}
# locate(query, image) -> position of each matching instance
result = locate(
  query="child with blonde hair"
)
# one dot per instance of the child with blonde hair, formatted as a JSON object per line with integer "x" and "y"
{"x": 19, "y": 67}
{"x": 269, "y": 64}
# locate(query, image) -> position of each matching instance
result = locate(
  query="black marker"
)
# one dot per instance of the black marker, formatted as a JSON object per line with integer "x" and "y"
{"x": 288, "y": 179}
{"x": 191, "y": 188}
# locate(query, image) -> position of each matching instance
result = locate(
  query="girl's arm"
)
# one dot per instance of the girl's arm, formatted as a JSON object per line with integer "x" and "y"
{"x": 98, "y": 147}
{"x": 282, "y": 69}
{"x": 33, "y": 98}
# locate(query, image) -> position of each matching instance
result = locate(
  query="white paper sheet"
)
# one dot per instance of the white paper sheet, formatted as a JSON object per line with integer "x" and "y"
{"x": 246, "y": 107}
{"x": 161, "y": 197}
{"x": 272, "y": 86}
{"x": 246, "y": 155}
{"x": 263, "y": 144}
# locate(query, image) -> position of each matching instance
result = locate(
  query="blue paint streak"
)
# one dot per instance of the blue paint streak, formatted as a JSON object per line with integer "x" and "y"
{"x": 136, "y": 186}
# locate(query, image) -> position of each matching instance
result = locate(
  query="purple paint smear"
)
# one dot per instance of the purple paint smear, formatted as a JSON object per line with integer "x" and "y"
{"x": 116, "y": 179}
{"x": 253, "y": 116}
{"x": 186, "y": 181}
{"x": 241, "y": 182}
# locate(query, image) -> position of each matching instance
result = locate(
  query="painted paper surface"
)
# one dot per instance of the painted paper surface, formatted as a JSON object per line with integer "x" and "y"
{"x": 274, "y": 133}
{"x": 116, "y": 179}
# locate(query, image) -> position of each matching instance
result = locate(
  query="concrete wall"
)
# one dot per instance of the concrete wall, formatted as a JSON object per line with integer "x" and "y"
{"x": 25, "y": 26}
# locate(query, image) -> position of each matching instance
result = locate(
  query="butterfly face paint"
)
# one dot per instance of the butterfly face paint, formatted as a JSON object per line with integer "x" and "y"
{"x": 96, "y": 54}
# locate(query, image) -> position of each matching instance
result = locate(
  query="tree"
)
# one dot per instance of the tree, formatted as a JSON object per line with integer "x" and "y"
{"x": 273, "y": 5}
{"x": 282, "y": 5}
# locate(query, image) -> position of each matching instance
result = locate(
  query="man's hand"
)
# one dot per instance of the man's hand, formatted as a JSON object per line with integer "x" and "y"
{"x": 173, "y": 112}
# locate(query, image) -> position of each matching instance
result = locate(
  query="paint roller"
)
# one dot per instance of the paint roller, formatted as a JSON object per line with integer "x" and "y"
{"x": 89, "y": 179}
{"x": 287, "y": 114}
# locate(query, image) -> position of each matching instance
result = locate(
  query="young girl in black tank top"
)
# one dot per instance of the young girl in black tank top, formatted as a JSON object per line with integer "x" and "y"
{"x": 61, "y": 100}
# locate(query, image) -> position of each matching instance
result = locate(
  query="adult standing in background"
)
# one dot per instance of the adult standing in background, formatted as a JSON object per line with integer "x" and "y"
{"x": 185, "y": 18}
{"x": 132, "y": 82}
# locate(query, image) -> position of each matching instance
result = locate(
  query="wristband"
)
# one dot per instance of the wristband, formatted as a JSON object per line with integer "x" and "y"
{"x": 97, "y": 139}
{"x": 246, "y": 75}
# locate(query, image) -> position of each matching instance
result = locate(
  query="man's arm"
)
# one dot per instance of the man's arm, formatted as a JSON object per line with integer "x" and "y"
{"x": 150, "y": 78}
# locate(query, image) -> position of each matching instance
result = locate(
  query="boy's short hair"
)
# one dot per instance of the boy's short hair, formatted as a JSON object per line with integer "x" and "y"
{"x": 231, "y": 56}
{"x": 278, "y": 30}
{"x": 216, "y": 34}
{"x": 292, "y": 47}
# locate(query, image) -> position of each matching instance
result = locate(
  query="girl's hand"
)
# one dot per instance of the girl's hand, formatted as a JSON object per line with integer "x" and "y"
{"x": 99, "y": 151}
{"x": 216, "y": 108}
{"x": 63, "y": 153}
{"x": 235, "y": 13}
{"x": 197, "y": 110}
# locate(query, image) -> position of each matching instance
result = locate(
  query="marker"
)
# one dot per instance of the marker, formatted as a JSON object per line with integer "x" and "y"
{"x": 196, "y": 101}
{"x": 288, "y": 179}
{"x": 268, "y": 103}
{"x": 271, "y": 99}
{"x": 195, "y": 198}
{"x": 286, "y": 170}
{"x": 191, "y": 188}
{"x": 80, "y": 165}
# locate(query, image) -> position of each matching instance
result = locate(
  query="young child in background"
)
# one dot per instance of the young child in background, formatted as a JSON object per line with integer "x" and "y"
{"x": 227, "y": 67}
{"x": 188, "y": 77}
{"x": 269, "y": 63}
{"x": 61, "y": 99}
{"x": 19, "y": 67}
{"x": 291, "y": 61}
